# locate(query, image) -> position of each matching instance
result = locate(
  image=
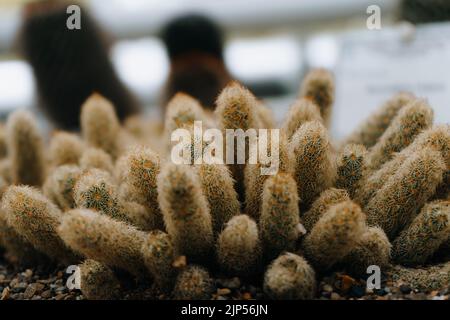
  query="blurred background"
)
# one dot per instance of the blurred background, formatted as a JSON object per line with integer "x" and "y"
{"x": 267, "y": 45}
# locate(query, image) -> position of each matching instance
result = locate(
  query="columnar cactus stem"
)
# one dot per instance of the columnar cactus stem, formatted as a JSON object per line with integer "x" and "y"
{"x": 279, "y": 223}
{"x": 290, "y": 277}
{"x": 326, "y": 200}
{"x": 409, "y": 122}
{"x": 95, "y": 190}
{"x": 373, "y": 248}
{"x": 318, "y": 85}
{"x": 423, "y": 237}
{"x": 159, "y": 255}
{"x": 35, "y": 218}
{"x": 98, "y": 282}
{"x": 266, "y": 117}
{"x": 182, "y": 110}
{"x": 436, "y": 138}
{"x": 143, "y": 168}
{"x": 65, "y": 148}
{"x": 59, "y": 185}
{"x": 237, "y": 109}
{"x": 95, "y": 158}
{"x": 25, "y": 150}
{"x": 238, "y": 246}
{"x": 426, "y": 279}
{"x": 106, "y": 240}
{"x": 193, "y": 283}
{"x": 185, "y": 211}
{"x": 254, "y": 179}
{"x": 397, "y": 202}
{"x": 217, "y": 186}
{"x": 314, "y": 169}
{"x": 99, "y": 124}
{"x": 302, "y": 111}
{"x": 374, "y": 126}
{"x": 335, "y": 235}
{"x": 351, "y": 168}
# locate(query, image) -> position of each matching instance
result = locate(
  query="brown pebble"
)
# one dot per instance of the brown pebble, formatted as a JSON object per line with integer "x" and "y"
{"x": 59, "y": 275}
{"x": 28, "y": 273}
{"x": 247, "y": 296}
{"x": 180, "y": 262}
{"x": 327, "y": 288}
{"x": 46, "y": 294}
{"x": 5, "y": 294}
{"x": 223, "y": 292}
{"x": 29, "y": 291}
{"x": 335, "y": 296}
{"x": 346, "y": 283}
{"x": 60, "y": 296}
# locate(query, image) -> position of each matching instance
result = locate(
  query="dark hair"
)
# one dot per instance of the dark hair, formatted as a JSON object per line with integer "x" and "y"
{"x": 69, "y": 65}
{"x": 422, "y": 11}
{"x": 192, "y": 32}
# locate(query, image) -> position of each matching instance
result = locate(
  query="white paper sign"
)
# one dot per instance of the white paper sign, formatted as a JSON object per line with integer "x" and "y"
{"x": 374, "y": 65}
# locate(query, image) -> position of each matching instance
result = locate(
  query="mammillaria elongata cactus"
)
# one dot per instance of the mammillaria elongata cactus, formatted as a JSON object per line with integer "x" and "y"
{"x": 113, "y": 200}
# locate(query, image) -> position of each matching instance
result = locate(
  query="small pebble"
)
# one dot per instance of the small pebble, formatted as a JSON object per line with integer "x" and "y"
{"x": 405, "y": 289}
{"x": 46, "y": 294}
{"x": 223, "y": 292}
{"x": 335, "y": 296}
{"x": 30, "y": 291}
{"x": 5, "y": 294}
{"x": 327, "y": 288}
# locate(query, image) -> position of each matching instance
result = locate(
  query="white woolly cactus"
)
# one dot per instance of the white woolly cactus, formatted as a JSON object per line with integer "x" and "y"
{"x": 335, "y": 235}
{"x": 238, "y": 246}
{"x": 423, "y": 237}
{"x": 279, "y": 222}
{"x": 186, "y": 212}
{"x": 25, "y": 150}
{"x": 35, "y": 218}
{"x": 65, "y": 148}
{"x": 290, "y": 277}
{"x": 99, "y": 124}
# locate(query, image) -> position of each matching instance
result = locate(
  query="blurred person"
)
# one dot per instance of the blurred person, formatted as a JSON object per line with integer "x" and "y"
{"x": 195, "y": 47}
{"x": 69, "y": 65}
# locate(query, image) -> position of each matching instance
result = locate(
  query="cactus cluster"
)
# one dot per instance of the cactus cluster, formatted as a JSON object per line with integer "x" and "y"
{"x": 111, "y": 200}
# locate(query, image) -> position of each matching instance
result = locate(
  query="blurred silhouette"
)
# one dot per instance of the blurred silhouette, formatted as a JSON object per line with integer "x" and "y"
{"x": 195, "y": 47}
{"x": 69, "y": 65}
{"x": 423, "y": 11}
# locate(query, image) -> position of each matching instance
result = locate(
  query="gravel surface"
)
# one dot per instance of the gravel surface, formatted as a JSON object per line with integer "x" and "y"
{"x": 48, "y": 283}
